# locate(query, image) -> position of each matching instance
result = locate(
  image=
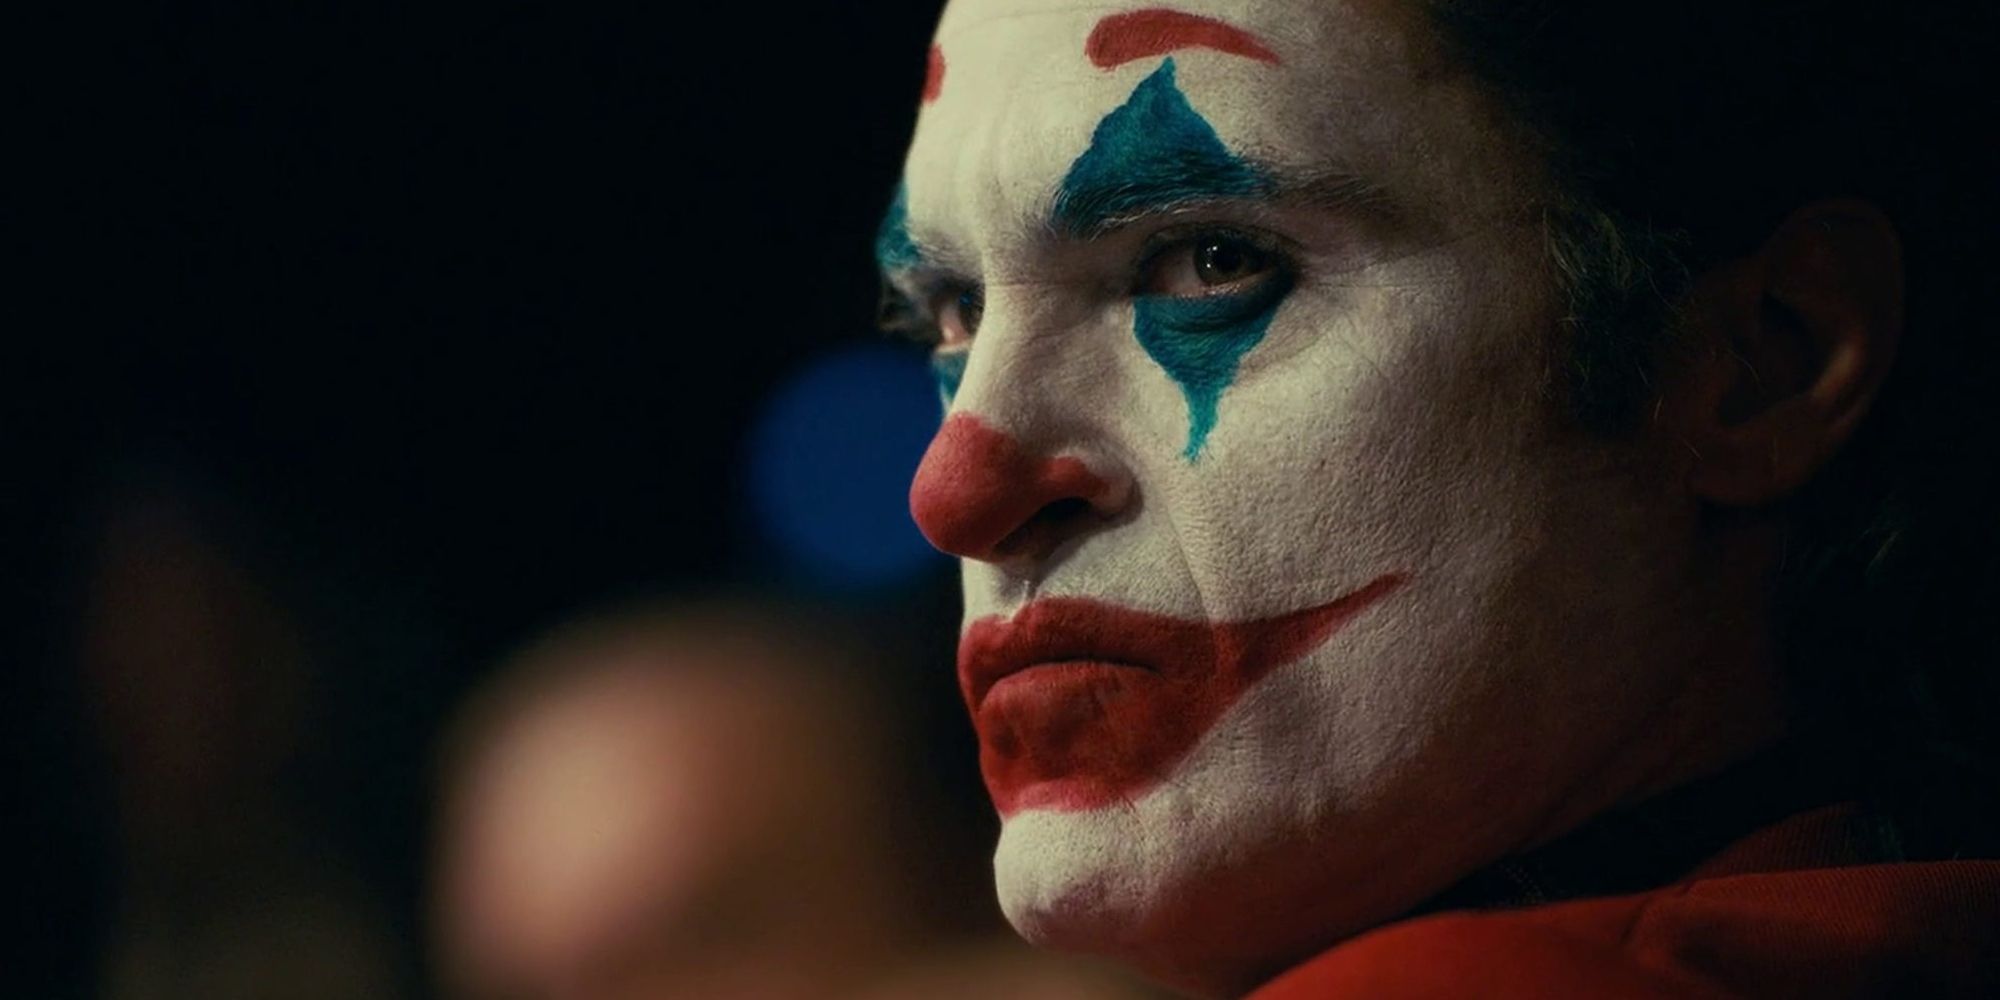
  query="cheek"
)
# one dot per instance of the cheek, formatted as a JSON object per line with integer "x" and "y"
{"x": 1421, "y": 438}
{"x": 1374, "y": 429}
{"x": 1392, "y": 437}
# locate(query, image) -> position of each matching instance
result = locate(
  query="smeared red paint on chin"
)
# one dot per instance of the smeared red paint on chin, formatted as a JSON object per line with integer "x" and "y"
{"x": 1079, "y": 704}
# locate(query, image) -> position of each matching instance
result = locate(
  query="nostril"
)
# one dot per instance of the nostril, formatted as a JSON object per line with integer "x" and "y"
{"x": 1045, "y": 530}
{"x": 1064, "y": 509}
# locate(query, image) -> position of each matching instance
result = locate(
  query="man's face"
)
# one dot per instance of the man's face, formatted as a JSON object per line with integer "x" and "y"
{"x": 1291, "y": 595}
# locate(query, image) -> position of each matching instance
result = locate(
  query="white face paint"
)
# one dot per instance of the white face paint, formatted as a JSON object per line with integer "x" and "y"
{"x": 1262, "y": 404}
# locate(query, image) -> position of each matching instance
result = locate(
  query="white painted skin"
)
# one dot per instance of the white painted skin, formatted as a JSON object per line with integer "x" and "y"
{"x": 1558, "y": 648}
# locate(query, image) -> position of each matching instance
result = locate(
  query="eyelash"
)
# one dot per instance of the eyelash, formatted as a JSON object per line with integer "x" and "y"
{"x": 1282, "y": 254}
{"x": 911, "y": 316}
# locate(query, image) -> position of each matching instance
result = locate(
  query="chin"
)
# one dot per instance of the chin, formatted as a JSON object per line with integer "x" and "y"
{"x": 1077, "y": 881}
{"x": 1205, "y": 899}
{"x": 1103, "y": 882}
{"x": 1256, "y": 853}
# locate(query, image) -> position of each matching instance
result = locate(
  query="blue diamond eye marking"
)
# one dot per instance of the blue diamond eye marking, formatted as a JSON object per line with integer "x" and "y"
{"x": 1150, "y": 154}
{"x": 1200, "y": 342}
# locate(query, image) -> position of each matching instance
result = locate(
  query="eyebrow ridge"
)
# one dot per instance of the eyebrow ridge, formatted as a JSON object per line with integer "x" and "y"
{"x": 1331, "y": 189}
{"x": 933, "y": 256}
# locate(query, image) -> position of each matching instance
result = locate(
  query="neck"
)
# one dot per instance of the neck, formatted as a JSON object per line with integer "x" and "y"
{"x": 1656, "y": 842}
{"x": 1730, "y": 703}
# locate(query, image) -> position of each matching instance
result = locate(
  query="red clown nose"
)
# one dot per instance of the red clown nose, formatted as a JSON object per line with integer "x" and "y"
{"x": 980, "y": 495}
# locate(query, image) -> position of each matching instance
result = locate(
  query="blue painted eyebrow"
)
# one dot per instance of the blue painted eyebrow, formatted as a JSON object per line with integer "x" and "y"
{"x": 1152, "y": 154}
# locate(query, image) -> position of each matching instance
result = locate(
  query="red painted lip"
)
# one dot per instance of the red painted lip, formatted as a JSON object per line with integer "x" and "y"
{"x": 1100, "y": 701}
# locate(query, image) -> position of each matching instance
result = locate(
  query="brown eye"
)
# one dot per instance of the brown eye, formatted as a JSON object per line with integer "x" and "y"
{"x": 1216, "y": 264}
{"x": 1221, "y": 261}
{"x": 958, "y": 315}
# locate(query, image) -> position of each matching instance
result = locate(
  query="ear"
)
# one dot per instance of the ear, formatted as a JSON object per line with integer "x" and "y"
{"x": 1793, "y": 342}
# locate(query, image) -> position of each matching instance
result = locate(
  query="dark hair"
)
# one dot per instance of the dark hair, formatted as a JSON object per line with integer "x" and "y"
{"x": 1680, "y": 134}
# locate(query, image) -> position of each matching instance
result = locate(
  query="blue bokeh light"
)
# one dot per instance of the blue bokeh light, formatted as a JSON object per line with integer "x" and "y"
{"x": 830, "y": 462}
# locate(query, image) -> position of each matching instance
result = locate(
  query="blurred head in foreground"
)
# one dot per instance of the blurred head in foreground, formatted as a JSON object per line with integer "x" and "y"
{"x": 692, "y": 802}
{"x": 664, "y": 805}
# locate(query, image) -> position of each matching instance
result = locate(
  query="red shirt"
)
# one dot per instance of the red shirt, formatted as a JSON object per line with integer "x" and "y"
{"x": 1783, "y": 912}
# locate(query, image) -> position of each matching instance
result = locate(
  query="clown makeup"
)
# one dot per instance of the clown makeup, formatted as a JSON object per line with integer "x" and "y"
{"x": 1284, "y": 570}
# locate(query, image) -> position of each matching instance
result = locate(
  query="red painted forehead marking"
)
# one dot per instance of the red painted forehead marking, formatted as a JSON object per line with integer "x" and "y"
{"x": 1137, "y": 34}
{"x": 934, "y": 75}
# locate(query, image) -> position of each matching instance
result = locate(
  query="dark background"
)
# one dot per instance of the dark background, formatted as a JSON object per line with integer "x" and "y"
{"x": 447, "y": 321}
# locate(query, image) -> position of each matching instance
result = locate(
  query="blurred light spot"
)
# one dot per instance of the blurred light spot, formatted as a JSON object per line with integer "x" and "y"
{"x": 831, "y": 458}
